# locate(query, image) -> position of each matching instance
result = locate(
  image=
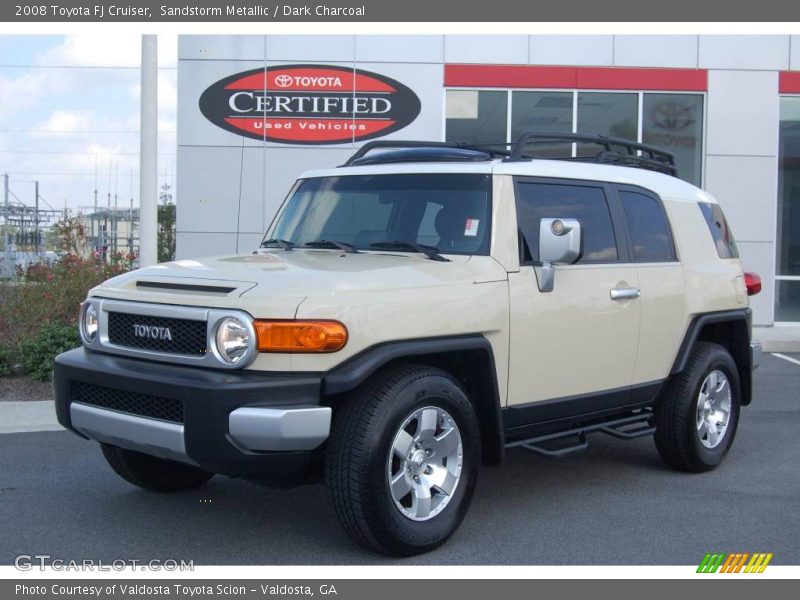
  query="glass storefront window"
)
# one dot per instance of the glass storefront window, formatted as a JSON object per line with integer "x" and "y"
{"x": 476, "y": 117}
{"x": 788, "y": 240}
{"x": 612, "y": 114}
{"x": 542, "y": 111}
{"x": 675, "y": 122}
{"x": 787, "y": 292}
{"x": 787, "y": 301}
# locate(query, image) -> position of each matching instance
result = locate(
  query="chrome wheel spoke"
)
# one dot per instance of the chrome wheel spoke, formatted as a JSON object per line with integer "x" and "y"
{"x": 446, "y": 443}
{"x": 443, "y": 481}
{"x": 421, "y": 502}
{"x": 402, "y": 444}
{"x": 427, "y": 422}
{"x": 400, "y": 486}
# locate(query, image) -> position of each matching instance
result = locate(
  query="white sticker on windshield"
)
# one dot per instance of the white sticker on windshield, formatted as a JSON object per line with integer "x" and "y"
{"x": 471, "y": 227}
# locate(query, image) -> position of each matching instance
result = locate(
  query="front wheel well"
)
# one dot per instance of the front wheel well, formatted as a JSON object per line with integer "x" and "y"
{"x": 472, "y": 367}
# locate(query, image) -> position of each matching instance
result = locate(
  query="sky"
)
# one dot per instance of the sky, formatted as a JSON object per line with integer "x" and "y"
{"x": 69, "y": 117}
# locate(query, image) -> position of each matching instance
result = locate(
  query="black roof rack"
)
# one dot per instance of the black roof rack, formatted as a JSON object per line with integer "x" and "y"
{"x": 615, "y": 151}
{"x": 419, "y": 151}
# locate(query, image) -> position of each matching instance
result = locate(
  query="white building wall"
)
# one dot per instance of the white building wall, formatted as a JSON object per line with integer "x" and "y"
{"x": 231, "y": 186}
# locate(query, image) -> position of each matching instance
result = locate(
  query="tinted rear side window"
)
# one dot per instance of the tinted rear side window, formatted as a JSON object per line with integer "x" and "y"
{"x": 648, "y": 226}
{"x": 720, "y": 232}
{"x": 587, "y": 204}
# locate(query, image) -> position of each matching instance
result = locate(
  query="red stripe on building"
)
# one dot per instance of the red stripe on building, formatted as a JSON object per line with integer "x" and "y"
{"x": 789, "y": 82}
{"x": 582, "y": 78}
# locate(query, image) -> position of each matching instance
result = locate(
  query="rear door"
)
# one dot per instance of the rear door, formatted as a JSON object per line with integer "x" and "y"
{"x": 576, "y": 342}
{"x": 661, "y": 280}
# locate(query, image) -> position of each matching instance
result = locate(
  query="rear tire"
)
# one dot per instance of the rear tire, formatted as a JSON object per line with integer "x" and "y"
{"x": 402, "y": 460}
{"x": 151, "y": 473}
{"x": 696, "y": 420}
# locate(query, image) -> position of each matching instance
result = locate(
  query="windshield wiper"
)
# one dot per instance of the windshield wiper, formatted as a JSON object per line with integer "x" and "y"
{"x": 332, "y": 244}
{"x": 431, "y": 252}
{"x": 285, "y": 244}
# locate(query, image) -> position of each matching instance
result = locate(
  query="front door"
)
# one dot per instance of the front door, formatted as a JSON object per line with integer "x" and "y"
{"x": 579, "y": 341}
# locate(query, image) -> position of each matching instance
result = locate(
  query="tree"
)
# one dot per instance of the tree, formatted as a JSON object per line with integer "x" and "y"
{"x": 70, "y": 237}
{"x": 166, "y": 225}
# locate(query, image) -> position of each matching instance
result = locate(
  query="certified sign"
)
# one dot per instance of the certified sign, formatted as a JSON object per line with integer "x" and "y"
{"x": 309, "y": 104}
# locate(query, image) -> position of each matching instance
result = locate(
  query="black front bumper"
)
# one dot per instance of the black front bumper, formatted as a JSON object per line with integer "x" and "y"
{"x": 208, "y": 397}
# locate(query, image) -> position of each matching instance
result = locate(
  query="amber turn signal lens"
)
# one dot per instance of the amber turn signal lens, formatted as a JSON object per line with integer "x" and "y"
{"x": 300, "y": 336}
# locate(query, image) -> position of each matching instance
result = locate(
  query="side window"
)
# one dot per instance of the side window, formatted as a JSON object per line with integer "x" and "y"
{"x": 648, "y": 226}
{"x": 587, "y": 204}
{"x": 720, "y": 232}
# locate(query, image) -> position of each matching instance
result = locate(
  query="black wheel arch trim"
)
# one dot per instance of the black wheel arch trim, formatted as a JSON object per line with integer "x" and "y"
{"x": 743, "y": 361}
{"x": 357, "y": 369}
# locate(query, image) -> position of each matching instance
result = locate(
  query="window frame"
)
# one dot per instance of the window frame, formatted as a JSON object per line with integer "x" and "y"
{"x": 618, "y": 187}
{"x": 613, "y": 203}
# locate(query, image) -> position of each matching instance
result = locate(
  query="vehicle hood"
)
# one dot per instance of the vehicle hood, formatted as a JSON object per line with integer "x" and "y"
{"x": 281, "y": 279}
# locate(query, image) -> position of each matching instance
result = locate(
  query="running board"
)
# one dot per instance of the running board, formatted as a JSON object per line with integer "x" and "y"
{"x": 625, "y": 428}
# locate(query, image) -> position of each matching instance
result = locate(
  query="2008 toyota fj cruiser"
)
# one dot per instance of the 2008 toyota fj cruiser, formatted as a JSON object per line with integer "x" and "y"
{"x": 413, "y": 314}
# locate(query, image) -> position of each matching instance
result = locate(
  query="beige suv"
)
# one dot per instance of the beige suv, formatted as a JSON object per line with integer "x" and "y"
{"x": 418, "y": 312}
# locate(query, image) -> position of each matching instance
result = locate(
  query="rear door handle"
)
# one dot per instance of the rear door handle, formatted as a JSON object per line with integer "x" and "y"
{"x": 625, "y": 293}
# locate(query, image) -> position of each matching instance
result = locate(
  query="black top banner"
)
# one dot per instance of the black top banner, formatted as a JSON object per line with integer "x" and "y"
{"x": 399, "y": 11}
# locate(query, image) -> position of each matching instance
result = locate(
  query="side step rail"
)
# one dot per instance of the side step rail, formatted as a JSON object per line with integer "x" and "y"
{"x": 625, "y": 428}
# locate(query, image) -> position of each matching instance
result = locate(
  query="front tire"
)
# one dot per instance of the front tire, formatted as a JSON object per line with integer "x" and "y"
{"x": 696, "y": 420}
{"x": 403, "y": 460}
{"x": 151, "y": 473}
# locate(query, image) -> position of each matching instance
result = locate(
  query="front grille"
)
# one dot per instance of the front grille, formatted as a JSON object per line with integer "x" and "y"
{"x": 184, "y": 336}
{"x": 142, "y": 405}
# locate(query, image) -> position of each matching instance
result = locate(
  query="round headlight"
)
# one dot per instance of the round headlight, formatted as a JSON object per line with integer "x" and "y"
{"x": 88, "y": 323}
{"x": 232, "y": 340}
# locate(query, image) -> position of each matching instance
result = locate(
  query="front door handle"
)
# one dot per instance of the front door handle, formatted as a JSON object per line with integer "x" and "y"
{"x": 625, "y": 293}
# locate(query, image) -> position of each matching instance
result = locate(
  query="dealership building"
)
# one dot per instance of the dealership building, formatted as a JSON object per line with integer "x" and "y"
{"x": 256, "y": 111}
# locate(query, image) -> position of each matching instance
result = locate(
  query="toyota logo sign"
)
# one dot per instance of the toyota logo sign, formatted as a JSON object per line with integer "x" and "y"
{"x": 309, "y": 104}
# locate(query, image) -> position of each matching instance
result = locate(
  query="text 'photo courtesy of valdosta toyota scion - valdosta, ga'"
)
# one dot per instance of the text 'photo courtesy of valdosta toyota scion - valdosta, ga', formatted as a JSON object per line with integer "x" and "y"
{"x": 309, "y": 104}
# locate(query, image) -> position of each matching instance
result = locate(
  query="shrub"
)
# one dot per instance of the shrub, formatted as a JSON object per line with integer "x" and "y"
{"x": 37, "y": 354}
{"x": 45, "y": 298}
{"x": 8, "y": 359}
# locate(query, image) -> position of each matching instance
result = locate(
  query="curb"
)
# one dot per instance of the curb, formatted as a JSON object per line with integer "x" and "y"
{"x": 30, "y": 416}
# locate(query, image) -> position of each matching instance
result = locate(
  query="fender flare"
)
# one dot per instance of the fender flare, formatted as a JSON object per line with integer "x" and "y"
{"x": 743, "y": 315}
{"x": 357, "y": 369}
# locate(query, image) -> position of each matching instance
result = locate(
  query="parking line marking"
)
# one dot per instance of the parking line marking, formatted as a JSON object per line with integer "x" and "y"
{"x": 789, "y": 358}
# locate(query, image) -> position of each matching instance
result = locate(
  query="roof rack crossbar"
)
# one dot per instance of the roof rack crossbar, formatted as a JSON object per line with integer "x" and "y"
{"x": 491, "y": 149}
{"x": 651, "y": 157}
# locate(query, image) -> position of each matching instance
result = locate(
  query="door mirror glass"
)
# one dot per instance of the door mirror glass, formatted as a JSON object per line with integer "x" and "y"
{"x": 559, "y": 244}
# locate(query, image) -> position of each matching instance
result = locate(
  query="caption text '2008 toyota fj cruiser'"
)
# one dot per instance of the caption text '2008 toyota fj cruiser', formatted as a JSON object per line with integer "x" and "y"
{"x": 414, "y": 314}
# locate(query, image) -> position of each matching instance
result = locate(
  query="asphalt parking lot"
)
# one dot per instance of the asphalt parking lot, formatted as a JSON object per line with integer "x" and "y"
{"x": 614, "y": 504}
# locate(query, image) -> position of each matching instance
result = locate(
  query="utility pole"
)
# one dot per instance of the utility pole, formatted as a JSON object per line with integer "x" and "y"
{"x": 7, "y": 267}
{"x": 36, "y": 219}
{"x": 94, "y": 214}
{"x": 148, "y": 154}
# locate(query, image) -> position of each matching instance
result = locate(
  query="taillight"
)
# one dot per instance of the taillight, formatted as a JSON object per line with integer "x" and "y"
{"x": 752, "y": 282}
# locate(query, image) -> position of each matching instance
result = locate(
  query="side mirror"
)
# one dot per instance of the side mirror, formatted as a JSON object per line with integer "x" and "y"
{"x": 559, "y": 244}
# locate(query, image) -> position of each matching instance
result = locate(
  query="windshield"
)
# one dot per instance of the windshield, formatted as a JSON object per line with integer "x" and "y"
{"x": 448, "y": 211}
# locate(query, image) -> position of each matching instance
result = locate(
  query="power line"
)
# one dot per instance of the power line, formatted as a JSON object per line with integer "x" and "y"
{"x": 65, "y": 152}
{"x": 117, "y": 67}
{"x": 131, "y": 132}
{"x": 65, "y": 173}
